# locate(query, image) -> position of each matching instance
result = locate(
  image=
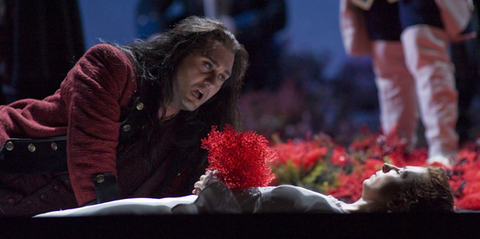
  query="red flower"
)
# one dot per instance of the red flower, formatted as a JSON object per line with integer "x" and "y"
{"x": 290, "y": 152}
{"x": 470, "y": 201}
{"x": 339, "y": 156}
{"x": 312, "y": 157}
{"x": 371, "y": 167}
{"x": 349, "y": 189}
{"x": 241, "y": 157}
{"x": 417, "y": 157}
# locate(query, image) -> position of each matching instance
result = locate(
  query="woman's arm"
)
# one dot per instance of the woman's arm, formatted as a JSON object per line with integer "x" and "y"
{"x": 130, "y": 206}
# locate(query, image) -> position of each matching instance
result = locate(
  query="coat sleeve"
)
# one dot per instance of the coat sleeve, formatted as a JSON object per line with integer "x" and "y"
{"x": 95, "y": 90}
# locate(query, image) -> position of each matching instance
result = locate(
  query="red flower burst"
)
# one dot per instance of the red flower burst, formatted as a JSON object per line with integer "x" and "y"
{"x": 241, "y": 157}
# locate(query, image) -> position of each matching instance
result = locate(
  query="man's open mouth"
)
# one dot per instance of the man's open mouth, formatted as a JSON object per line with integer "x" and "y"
{"x": 198, "y": 94}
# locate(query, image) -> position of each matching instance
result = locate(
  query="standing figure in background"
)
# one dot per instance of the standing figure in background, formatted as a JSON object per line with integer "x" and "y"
{"x": 409, "y": 41}
{"x": 254, "y": 22}
{"x": 40, "y": 42}
{"x": 465, "y": 57}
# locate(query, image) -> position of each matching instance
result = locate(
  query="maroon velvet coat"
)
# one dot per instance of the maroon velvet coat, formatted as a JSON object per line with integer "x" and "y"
{"x": 89, "y": 107}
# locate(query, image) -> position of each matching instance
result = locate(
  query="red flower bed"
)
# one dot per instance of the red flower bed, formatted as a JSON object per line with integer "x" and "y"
{"x": 246, "y": 160}
{"x": 321, "y": 165}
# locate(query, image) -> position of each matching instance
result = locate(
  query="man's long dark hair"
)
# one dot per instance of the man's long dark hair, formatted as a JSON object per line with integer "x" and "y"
{"x": 155, "y": 63}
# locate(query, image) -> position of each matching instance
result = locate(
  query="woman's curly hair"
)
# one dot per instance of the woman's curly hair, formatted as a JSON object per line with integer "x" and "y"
{"x": 426, "y": 193}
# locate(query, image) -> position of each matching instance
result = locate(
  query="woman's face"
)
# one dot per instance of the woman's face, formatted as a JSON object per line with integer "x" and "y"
{"x": 384, "y": 184}
{"x": 200, "y": 76}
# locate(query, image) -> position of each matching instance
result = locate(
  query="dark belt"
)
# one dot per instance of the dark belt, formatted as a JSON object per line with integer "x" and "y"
{"x": 34, "y": 156}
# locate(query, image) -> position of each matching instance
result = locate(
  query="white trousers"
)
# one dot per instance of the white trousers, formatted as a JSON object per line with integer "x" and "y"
{"x": 416, "y": 77}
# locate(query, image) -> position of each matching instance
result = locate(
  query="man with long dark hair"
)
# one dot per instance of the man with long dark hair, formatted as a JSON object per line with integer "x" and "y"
{"x": 132, "y": 117}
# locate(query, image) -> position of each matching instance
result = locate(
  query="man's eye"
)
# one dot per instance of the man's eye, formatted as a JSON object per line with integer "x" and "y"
{"x": 208, "y": 65}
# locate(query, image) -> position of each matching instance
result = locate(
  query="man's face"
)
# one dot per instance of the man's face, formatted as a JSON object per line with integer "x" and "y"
{"x": 383, "y": 185}
{"x": 200, "y": 76}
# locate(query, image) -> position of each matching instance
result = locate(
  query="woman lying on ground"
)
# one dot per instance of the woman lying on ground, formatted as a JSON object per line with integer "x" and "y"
{"x": 392, "y": 189}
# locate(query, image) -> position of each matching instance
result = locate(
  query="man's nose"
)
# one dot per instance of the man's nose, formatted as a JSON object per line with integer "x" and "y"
{"x": 209, "y": 80}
